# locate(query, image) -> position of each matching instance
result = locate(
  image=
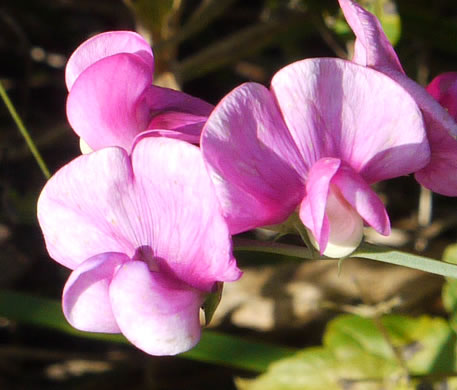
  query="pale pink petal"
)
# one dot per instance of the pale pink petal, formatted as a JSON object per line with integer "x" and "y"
{"x": 330, "y": 176}
{"x": 181, "y": 214}
{"x": 106, "y": 105}
{"x": 81, "y": 210}
{"x": 253, "y": 162}
{"x": 372, "y": 47}
{"x": 156, "y": 313}
{"x": 86, "y": 302}
{"x": 105, "y": 45}
{"x": 444, "y": 89}
{"x": 362, "y": 198}
{"x": 335, "y": 108}
{"x": 169, "y": 214}
{"x": 345, "y": 226}
{"x": 313, "y": 206}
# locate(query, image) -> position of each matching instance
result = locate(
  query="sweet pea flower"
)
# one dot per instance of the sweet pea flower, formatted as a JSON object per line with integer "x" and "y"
{"x": 112, "y": 100}
{"x": 373, "y": 49}
{"x": 145, "y": 240}
{"x": 444, "y": 89}
{"x": 316, "y": 140}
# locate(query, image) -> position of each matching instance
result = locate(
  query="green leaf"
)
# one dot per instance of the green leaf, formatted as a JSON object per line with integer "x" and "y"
{"x": 420, "y": 340}
{"x": 423, "y": 341}
{"x": 427, "y": 344}
{"x": 450, "y": 254}
{"x": 313, "y": 369}
{"x": 356, "y": 355}
{"x": 352, "y": 335}
{"x": 449, "y": 292}
{"x": 212, "y": 302}
{"x": 214, "y": 347}
{"x": 318, "y": 369}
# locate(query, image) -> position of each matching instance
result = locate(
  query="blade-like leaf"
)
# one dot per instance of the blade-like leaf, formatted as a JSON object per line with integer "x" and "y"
{"x": 214, "y": 347}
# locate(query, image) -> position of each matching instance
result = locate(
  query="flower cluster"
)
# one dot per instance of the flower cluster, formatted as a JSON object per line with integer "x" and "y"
{"x": 145, "y": 220}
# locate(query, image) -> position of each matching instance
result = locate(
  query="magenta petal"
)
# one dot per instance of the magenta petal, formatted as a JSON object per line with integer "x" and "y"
{"x": 444, "y": 89}
{"x": 332, "y": 109}
{"x": 175, "y": 110}
{"x": 156, "y": 313}
{"x": 160, "y": 100}
{"x": 252, "y": 159}
{"x": 180, "y": 211}
{"x": 86, "y": 302}
{"x": 362, "y": 198}
{"x": 312, "y": 208}
{"x": 174, "y": 134}
{"x": 441, "y": 84}
{"x": 175, "y": 119}
{"x": 105, "y": 45}
{"x": 105, "y": 105}
{"x": 189, "y": 125}
{"x": 372, "y": 47}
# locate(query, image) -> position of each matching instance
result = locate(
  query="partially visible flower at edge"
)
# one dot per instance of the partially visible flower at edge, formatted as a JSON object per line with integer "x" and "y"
{"x": 373, "y": 49}
{"x": 324, "y": 132}
{"x": 112, "y": 100}
{"x": 145, "y": 245}
{"x": 444, "y": 89}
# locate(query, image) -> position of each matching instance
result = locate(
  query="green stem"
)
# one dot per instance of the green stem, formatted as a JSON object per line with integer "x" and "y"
{"x": 242, "y": 244}
{"x": 391, "y": 256}
{"x": 365, "y": 251}
{"x": 24, "y": 132}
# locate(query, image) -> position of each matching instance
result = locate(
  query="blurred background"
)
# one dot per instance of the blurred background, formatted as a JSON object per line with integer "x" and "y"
{"x": 205, "y": 48}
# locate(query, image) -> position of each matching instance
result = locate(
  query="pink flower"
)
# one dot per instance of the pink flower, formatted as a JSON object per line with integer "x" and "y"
{"x": 112, "y": 100}
{"x": 144, "y": 238}
{"x": 315, "y": 141}
{"x": 444, "y": 89}
{"x": 373, "y": 49}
